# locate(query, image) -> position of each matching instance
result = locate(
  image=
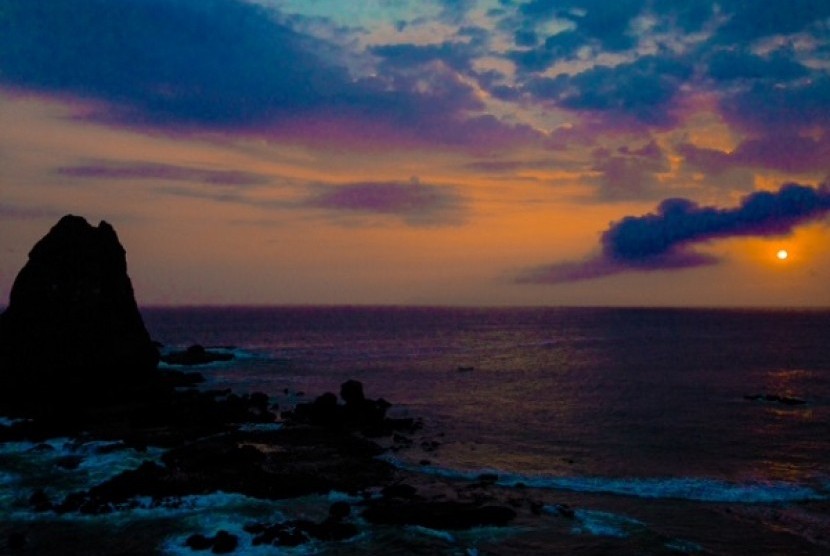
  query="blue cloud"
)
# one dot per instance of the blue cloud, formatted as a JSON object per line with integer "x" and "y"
{"x": 663, "y": 240}
{"x": 733, "y": 64}
{"x": 229, "y": 65}
{"x": 643, "y": 89}
{"x": 215, "y": 62}
{"x": 457, "y": 55}
{"x": 680, "y": 222}
{"x": 607, "y": 23}
{"x": 750, "y": 20}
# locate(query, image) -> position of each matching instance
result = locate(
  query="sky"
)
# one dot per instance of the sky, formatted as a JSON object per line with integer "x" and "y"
{"x": 431, "y": 152}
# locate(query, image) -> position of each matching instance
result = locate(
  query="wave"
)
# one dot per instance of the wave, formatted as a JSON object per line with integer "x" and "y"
{"x": 603, "y": 524}
{"x": 699, "y": 489}
{"x": 63, "y": 465}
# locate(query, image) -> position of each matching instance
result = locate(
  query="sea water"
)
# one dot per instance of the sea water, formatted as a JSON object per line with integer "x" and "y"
{"x": 644, "y": 421}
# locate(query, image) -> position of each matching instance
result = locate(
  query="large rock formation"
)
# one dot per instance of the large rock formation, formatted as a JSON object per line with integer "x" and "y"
{"x": 72, "y": 324}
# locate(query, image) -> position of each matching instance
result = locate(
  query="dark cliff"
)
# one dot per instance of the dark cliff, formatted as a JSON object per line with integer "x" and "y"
{"x": 72, "y": 324}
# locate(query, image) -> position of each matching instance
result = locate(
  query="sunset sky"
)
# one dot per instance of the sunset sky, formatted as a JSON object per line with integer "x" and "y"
{"x": 446, "y": 152}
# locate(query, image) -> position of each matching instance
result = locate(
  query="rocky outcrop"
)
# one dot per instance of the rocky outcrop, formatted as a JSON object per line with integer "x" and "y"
{"x": 196, "y": 355}
{"x": 72, "y": 325}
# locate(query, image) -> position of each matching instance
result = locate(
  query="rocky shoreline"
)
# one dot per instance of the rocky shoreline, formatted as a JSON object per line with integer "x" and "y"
{"x": 221, "y": 442}
{"x": 78, "y": 363}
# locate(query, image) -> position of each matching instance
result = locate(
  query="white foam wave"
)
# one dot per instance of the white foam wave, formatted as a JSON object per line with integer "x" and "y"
{"x": 605, "y": 524}
{"x": 62, "y": 465}
{"x": 684, "y": 547}
{"x": 434, "y": 533}
{"x": 11, "y": 421}
{"x": 701, "y": 489}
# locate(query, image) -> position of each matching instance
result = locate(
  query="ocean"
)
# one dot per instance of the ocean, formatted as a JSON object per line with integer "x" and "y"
{"x": 666, "y": 431}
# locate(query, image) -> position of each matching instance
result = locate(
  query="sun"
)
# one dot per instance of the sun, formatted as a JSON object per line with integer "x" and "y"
{"x": 782, "y": 255}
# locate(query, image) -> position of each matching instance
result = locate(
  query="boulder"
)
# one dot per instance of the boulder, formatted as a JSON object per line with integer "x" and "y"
{"x": 72, "y": 325}
{"x": 196, "y": 355}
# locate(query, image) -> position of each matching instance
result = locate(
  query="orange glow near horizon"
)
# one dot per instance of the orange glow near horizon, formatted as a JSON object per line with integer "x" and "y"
{"x": 192, "y": 242}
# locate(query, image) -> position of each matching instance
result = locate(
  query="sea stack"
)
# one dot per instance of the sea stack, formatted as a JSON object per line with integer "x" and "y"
{"x": 72, "y": 327}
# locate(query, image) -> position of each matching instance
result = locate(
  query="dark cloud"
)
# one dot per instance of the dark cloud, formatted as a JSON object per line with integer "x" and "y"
{"x": 212, "y": 62}
{"x": 749, "y": 20}
{"x": 775, "y": 85}
{"x": 167, "y": 172}
{"x": 458, "y": 55}
{"x": 415, "y": 202}
{"x": 773, "y": 107}
{"x": 525, "y": 37}
{"x": 596, "y": 22}
{"x": 556, "y": 47}
{"x": 784, "y": 152}
{"x": 689, "y": 16}
{"x": 732, "y": 64}
{"x": 663, "y": 240}
{"x": 232, "y": 66}
{"x": 643, "y": 89}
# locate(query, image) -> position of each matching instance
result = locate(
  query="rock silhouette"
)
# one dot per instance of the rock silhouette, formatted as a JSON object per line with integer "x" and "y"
{"x": 72, "y": 325}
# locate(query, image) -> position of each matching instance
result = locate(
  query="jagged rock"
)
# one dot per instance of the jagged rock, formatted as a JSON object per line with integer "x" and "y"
{"x": 196, "y": 355}
{"x": 72, "y": 325}
{"x": 224, "y": 542}
{"x": 782, "y": 399}
{"x": 357, "y": 412}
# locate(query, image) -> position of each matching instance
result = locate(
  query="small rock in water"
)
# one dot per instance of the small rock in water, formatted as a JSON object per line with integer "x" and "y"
{"x": 198, "y": 542}
{"x": 399, "y": 491}
{"x": 196, "y": 355}
{"x": 221, "y": 543}
{"x": 69, "y": 462}
{"x": 565, "y": 510}
{"x": 786, "y": 400}
{"x": 339, "y": 510}
{"x": 224, "y": 542}
{"x": 39, "y": 501}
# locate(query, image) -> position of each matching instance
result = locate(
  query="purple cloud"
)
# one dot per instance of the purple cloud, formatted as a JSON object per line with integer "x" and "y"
{"x": 166, "y": 172}
{"x": 663, "y": 240}
{"x": 783, "y": 152}
{"x": 773, "y": 107}
{"x": 237, "y": 67}
{"x": 629, "y": 173}
{"x": 21, "y": 212}
{"x": 415, "y": 202}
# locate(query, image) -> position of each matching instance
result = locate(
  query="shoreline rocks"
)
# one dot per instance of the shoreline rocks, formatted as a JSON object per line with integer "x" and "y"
{"x": 76, "y": 361}
{"x": 196, "y": 355}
